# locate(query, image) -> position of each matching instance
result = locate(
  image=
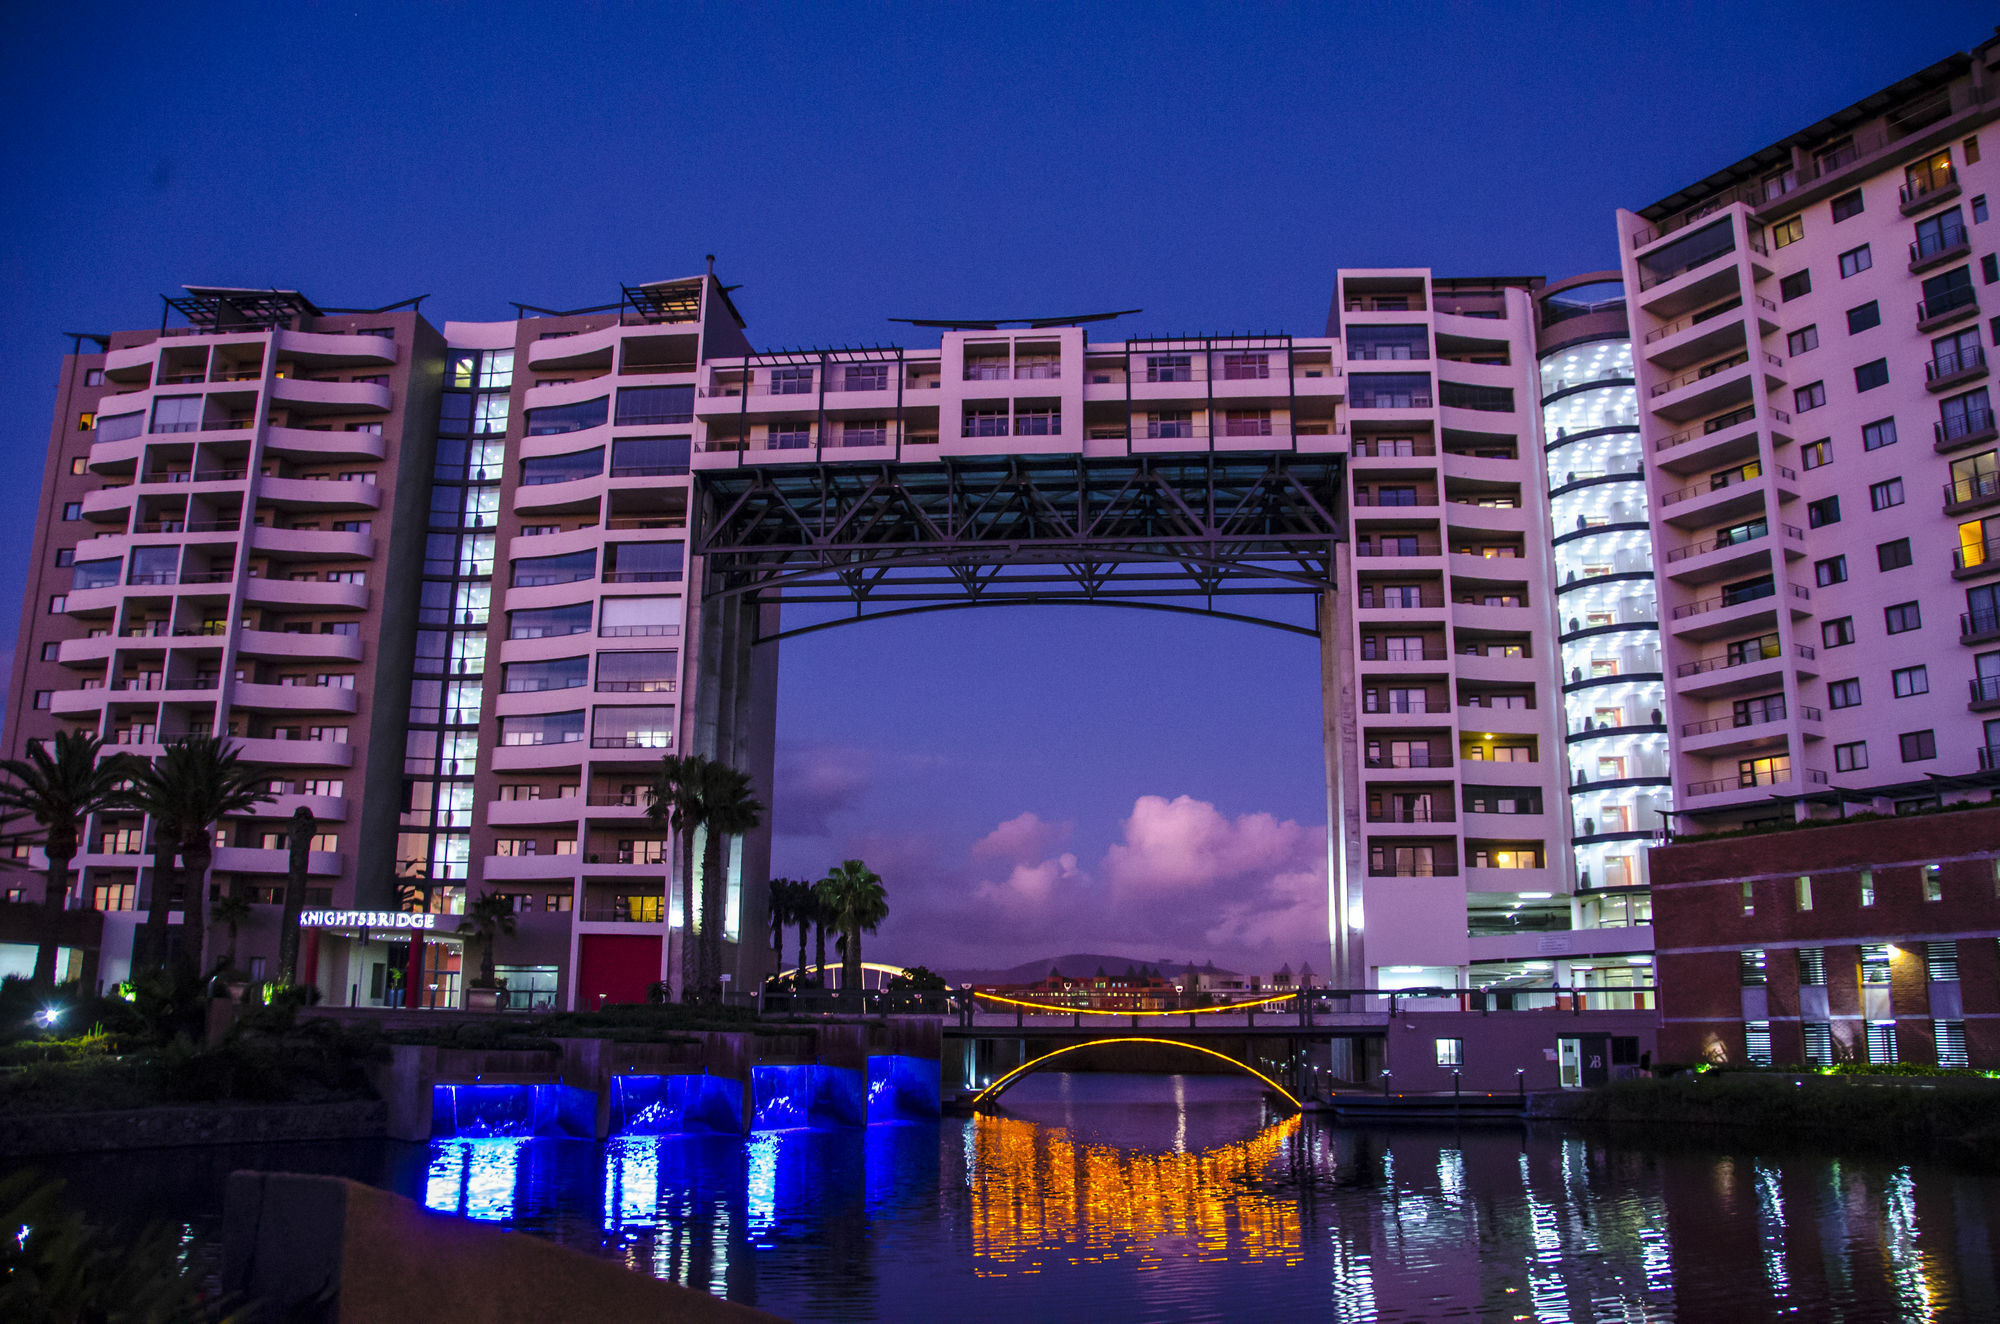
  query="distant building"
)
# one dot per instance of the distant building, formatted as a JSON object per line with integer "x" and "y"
{"x": 1135, "y": 990}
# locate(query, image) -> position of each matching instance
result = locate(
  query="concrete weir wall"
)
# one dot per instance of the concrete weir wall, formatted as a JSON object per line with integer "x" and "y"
{"x": 324, "y": 1250}
{"x": 837, "y": 1072}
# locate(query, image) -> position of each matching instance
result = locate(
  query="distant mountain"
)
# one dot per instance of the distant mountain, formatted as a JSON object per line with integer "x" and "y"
{"x": 1076, "y": 965}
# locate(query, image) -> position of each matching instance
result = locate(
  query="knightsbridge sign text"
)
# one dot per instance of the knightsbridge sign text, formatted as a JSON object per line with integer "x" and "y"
{"x": 366, "y": 919}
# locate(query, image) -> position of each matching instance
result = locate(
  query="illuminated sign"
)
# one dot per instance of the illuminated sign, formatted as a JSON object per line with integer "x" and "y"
{"x": 366, "y": 919}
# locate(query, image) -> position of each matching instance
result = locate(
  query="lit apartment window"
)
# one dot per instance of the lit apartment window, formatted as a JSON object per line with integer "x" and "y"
{"x": 1864, "y": 316}
{"x": 1788, "y": 232}
{"x": 1451, "y": 1052}
{"x": 1802, "y": 891}
{"x": 1867, "y": 884}
{"x": 1934, "y": 889}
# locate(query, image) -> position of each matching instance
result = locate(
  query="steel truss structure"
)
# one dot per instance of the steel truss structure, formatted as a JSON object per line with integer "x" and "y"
{"x": 1022, "y": 529}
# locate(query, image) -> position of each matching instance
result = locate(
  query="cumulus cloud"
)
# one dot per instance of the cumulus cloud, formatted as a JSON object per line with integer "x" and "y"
{"x": 1022, "y": 838}
{"x": 1184, "y": 844}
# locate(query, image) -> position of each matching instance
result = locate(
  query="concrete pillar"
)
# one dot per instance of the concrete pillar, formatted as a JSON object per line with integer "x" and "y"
{"x": 1346, "y": 847}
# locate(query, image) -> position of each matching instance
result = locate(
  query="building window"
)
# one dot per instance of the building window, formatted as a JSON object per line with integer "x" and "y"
{"x": 1979, "y": 208}
{"x": 1809, "y": 397}
{"x": 1843, "y": 693}
{"x": 1788, "y": 232}
{"x": 1851, "y": 757}
{"x": 43, "y": 698}
{"x": 1750, "y": 908}
{"x": 51, "y": 652}
{"x": 1451, "y": 1052}
{"x": 73, "y": 510}
{"x": 1989, "y": 269}
{"x": 985, "y": 421}
{"x": 1903, "y": 616}
{"x": 58, "y": 603}
{"x": 1855, "y": 261}
{"x": 1892, "y": 555}
{"x": 1882, "y": 1042}
{"x": 1867, "y": 878}
{"x": 1819, "y": 452}
{"x": 1861, "y": 318}
{"x": 1836, "y": 632}
{"x": 1847, "y": 205}
{"x": 1910, "y": 681}
{"x": 1880, "y": 433}
{"x": 1934, "y": 891}
{"x": 1802, "y": 891}
{"x": 1794, "y": 285}
{"x": 1039, "y": 420}
{"x": 1824, "y": 511}
{"x": 1833, "y": 570}
{"x": 1885, "y": 494}
{"x": 1798, "y": 342}
{"x": 1871, "y": 375}
{"x": 1950, "y": 1036}
{"x": 1757, "y": 1042}
{"x": 1918, "y": 745}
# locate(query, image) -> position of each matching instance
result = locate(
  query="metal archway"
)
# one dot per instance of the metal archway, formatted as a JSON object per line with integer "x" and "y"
{"x": 1006, "y": 1082}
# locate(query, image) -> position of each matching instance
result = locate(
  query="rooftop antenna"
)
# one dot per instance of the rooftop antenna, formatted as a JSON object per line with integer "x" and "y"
{"x": 711, "y": 266}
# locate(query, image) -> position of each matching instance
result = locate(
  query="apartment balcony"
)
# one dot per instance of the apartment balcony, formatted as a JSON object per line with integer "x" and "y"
{"x": 1954, "y": 368}
{"x": 296, "y": 753}
{"x": 530, "y": 758}
{"x": 1730, "y": 556}
{"x": 1985, "y": 694}
{"x": 94, "y": 603}
{"x": 1736, "y": 614}
{"x": 1399, "y": 549}
{"x": 1936, "y": 250}
{"x": 1938, "y": 187}
{"x": 1947, "y": 308}
{"x": 1989, "y": 758}
{"x": 285, "y": 646}
{"x": 324, "y": 808}
{"x": 319, "y": 493}
{"x": 1970, "y": 494}
{"x": 109, "y": 505}
{"x": 274, "y": 863}
{"x": 108, "y": 457}
{"x": 1708, "y": 390}
{"x": 334, "y": 349}
{"x": 1725, "y": 498}
{"x": 321, "y": 444}
{"x": 1749, "y": 787}
{"x": 1976, "y": 560}
{"x": 1569, "y": 943}
{"x": 291, "y": 698}
{"x": 305, "y": 594}
{"x": 1717, "y": 443}
{"x": 1714, "y": 677}
{"x": 1741, "y": 735}
{"x": 583, "y": 351}
{"x": 312, "y": 544}
{"x": 308, "y": 398}
{"x": 1706, "y": 333}
{"x": 529, "y": 868}
{"x": 552, "y": 810}
{"x": 1971, "y": 428}
{"x": 1979, "y": 627}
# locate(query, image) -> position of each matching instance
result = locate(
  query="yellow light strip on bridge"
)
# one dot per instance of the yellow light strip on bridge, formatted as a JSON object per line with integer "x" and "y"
{"x": 1007, "y": 1080}
{"x": 1099, "y": 1011}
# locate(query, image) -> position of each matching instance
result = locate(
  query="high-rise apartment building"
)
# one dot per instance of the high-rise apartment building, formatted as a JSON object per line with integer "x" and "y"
{"x": 1591, "y": 561}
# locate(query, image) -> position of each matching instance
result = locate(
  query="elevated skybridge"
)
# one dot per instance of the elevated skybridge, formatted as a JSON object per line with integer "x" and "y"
{"x": 1202, "y": 532}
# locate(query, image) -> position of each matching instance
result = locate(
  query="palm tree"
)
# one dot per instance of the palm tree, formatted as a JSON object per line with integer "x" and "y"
{"x": 821, "y": 909}
{"x": 802, "y": 915}
{"x": 195, "y": 783}
{"x": 230, "y": 910}
{"x": 856, "y": 903}
{"x": 59, "y": 788}
{"x": 731, "y": 811}
{"x": 487, "y": 919}
{"x": 778, "y": 903}
{"x": 674, "y": 802}
{"x": 299, "y": 839}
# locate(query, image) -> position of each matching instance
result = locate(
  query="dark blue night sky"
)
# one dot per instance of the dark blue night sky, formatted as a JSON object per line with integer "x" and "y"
{"x": 1210, "y": 164}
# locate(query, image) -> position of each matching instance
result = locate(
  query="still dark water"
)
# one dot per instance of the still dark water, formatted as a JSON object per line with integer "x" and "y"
{"x": 1120, "y": 1197}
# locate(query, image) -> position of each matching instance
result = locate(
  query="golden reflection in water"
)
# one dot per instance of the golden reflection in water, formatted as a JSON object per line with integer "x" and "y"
{"x": 1038, "y": 1197}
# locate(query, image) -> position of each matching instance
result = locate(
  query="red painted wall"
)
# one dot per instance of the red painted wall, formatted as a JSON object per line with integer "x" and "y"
{"x": 615, "y": 967}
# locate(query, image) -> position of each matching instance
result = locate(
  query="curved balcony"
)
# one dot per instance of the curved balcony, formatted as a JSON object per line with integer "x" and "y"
{"x": 1509, "y": 670}
{"x": 574, "y": 392}
{"x": 552, "y": 497}
{"x": 324, "y": 808}
{"x": 530, "y": 868}
{"x": 109, "y": 505}
{"x": 256, "y": 860}
{"x": 117, "y": 456}
{"x": 553, "y": 811}
{"x": 314, "y": 444}
{"x": 309, "y": 397}
{"x": 1704, "y": 391}
{"x": 94, "y": 603}
{"x": 1722, "y": 675}
{"x": 566, "y": 594}
{"x": 312, "y": 544}
{"x": 291, "y": 698}
{"x": 588, "y": 538}
{"x": 562, "y": 443}
{"x": 585, "y": 349}
{"x": 528, "y": 758}
{"x": 319, "y": 493}
{"x": 87, "y": 652}
{"x": 296, "y": 753}
{"x": 133, "y": 363}
{"x": 525, "y": 703}
{"x": 333, "y": 349}
{"x": 304, "y": 594}
{"x": 283, "y": 646}
{"x": 1751, "y": 787}
{"x": 81, "y": 703}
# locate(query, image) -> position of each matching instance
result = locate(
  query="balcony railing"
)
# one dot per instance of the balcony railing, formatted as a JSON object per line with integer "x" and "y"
{"x": 1724, "y": 662}
{"x": 1953, "y": 362}
{"x": 1418, "y": 760}
{"x": 617, "y": 799}
{"x": 1414, "y": 816}
{"x": 1971, "y": 556}
{"x": 1986, "y": 621}
{"x": 1429, "y": 598}
{"x": 1976, "y": 488}
{"x": 1430, "y": 653}
{"x": 1946, "y": 240}
{"x": 1986, "y": 689}
{"x": 1418, "y": 547}
{"x": 635, "y": 686}
{"x": 1951, "y": 301}
{"x": 1958, "y": 429}
{"x": 636, "y": 631}
{"x": 1756, "y": 777}
{"x": 1989, "y": 758}
{"x": 1941, "y": 179}
{"x": 635, "y": 740}
{"x": 1707, "y": 545}
{"x": 1756, "y": 717}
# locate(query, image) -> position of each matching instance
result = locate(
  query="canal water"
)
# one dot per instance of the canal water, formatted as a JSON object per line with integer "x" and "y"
{"x": 1105, "y": 1197}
